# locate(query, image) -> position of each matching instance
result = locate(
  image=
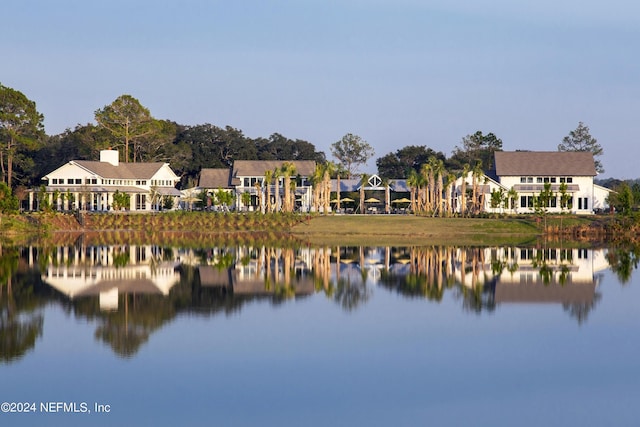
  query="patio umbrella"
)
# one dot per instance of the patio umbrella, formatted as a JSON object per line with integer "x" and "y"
{"x": 190, "y": 200}
{"x": 347, "y": 199}
{"x": 403, "y": 200}
{"x": 372, "y": 200}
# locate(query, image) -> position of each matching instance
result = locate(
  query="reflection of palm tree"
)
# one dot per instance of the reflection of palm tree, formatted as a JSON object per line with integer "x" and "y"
{"x": 350, "y": 295}
{"x": 580, "y": 310}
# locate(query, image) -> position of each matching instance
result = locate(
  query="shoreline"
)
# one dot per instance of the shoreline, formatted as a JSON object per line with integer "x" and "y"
{"x": 392, "y": 229}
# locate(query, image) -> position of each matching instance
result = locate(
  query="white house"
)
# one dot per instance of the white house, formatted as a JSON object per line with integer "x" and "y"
{"x": 90, "y": 185}
{"x": 84, "y": 271}
{"x": 247, "y": 173}
{"x": 527, "y": 172}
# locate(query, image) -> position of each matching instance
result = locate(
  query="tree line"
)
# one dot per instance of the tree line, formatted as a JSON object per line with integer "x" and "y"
{"x": 27, "y": 152}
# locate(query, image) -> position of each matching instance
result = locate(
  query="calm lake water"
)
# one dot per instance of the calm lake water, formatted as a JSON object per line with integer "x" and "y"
{"x": 246, "y": 336}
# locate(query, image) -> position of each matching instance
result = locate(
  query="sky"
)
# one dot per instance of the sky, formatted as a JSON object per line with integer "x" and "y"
{"x": 394, "y": 72}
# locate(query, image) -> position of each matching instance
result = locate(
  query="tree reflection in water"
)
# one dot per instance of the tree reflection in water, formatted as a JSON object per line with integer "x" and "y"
{"x": 149, "y": 285}
{"x": 21, "y": 302}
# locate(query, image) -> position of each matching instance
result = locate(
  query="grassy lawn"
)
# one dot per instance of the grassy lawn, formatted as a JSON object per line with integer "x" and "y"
{"x": 407, "y": 229}
{"x": 317, "y": 230}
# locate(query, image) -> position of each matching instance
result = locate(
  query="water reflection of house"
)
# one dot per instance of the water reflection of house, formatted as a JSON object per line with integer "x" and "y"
{"x": 109, "y": 271}
{"x": 261, "y": 271}
{"x": 358, "y": 263}
{"x": 533, "y": 275}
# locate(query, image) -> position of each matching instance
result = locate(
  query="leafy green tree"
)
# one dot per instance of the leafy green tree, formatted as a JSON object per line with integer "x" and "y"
{"x": 44, "y": 203}
{"x": 497, "y": 198}
{"x": 246, "y": 199}
{"x": 352, "y": 151}
{"x": 622, "y": 199}
{"x": 581, "y": 140}
{"x": 121, "y": 200}
{"x": 398, "y": 165}
{"x": 278, "y": 147}
{"x": 129, "y": 122}
{"x": 159, "y": 146}
{"x": 224, "y": 197}
{"x": 8, "y": 202}
{"x": 168, "y": 202}
{"x": 21, "y": 128}
{"x": 542, "y": 201}
{"x": 512, "y": 196}
{"x": 81, "y": 143}
{"x": 208, "y": 146}
{"x": 477, "y": 147}
{"x": 565, "y": 197}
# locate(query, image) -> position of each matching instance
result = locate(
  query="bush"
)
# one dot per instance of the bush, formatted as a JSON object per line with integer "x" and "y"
{"x": 8, "y": 202}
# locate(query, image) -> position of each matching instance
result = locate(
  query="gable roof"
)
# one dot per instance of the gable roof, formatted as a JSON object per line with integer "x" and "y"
{"x": 214, "y": 178}
{"x": 544, "y": 163}
{"x": 259, "y": 167}
{"x": 122, "y": 171}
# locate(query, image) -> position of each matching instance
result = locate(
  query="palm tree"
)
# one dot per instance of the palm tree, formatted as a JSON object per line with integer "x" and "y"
{"x": 258, "y": 188}
{"x": 338, "y": 191}
{"x": 318, "y": 186}
{"x": 463, "y": 189}
{"x": 329, "y": 170}
{"x": 292, "y": 195}
{"x": 386, "y": 183}
{"x": 412, "y": 182}
{"x": 438, "y": 171}
{"x": 276, "y": 176}
{"x": 476, "y": 174}
{"x": 287, "y": 169}
{"x": 427, "y": 176}
{"x": 450, "y": 192}
{"x": 364, "y": 178}
{"x": 512, "y": 197}
{"x": 268, "y": 178}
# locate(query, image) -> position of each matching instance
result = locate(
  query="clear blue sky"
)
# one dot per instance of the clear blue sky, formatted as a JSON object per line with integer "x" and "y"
{"x": 395, "y": 72}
